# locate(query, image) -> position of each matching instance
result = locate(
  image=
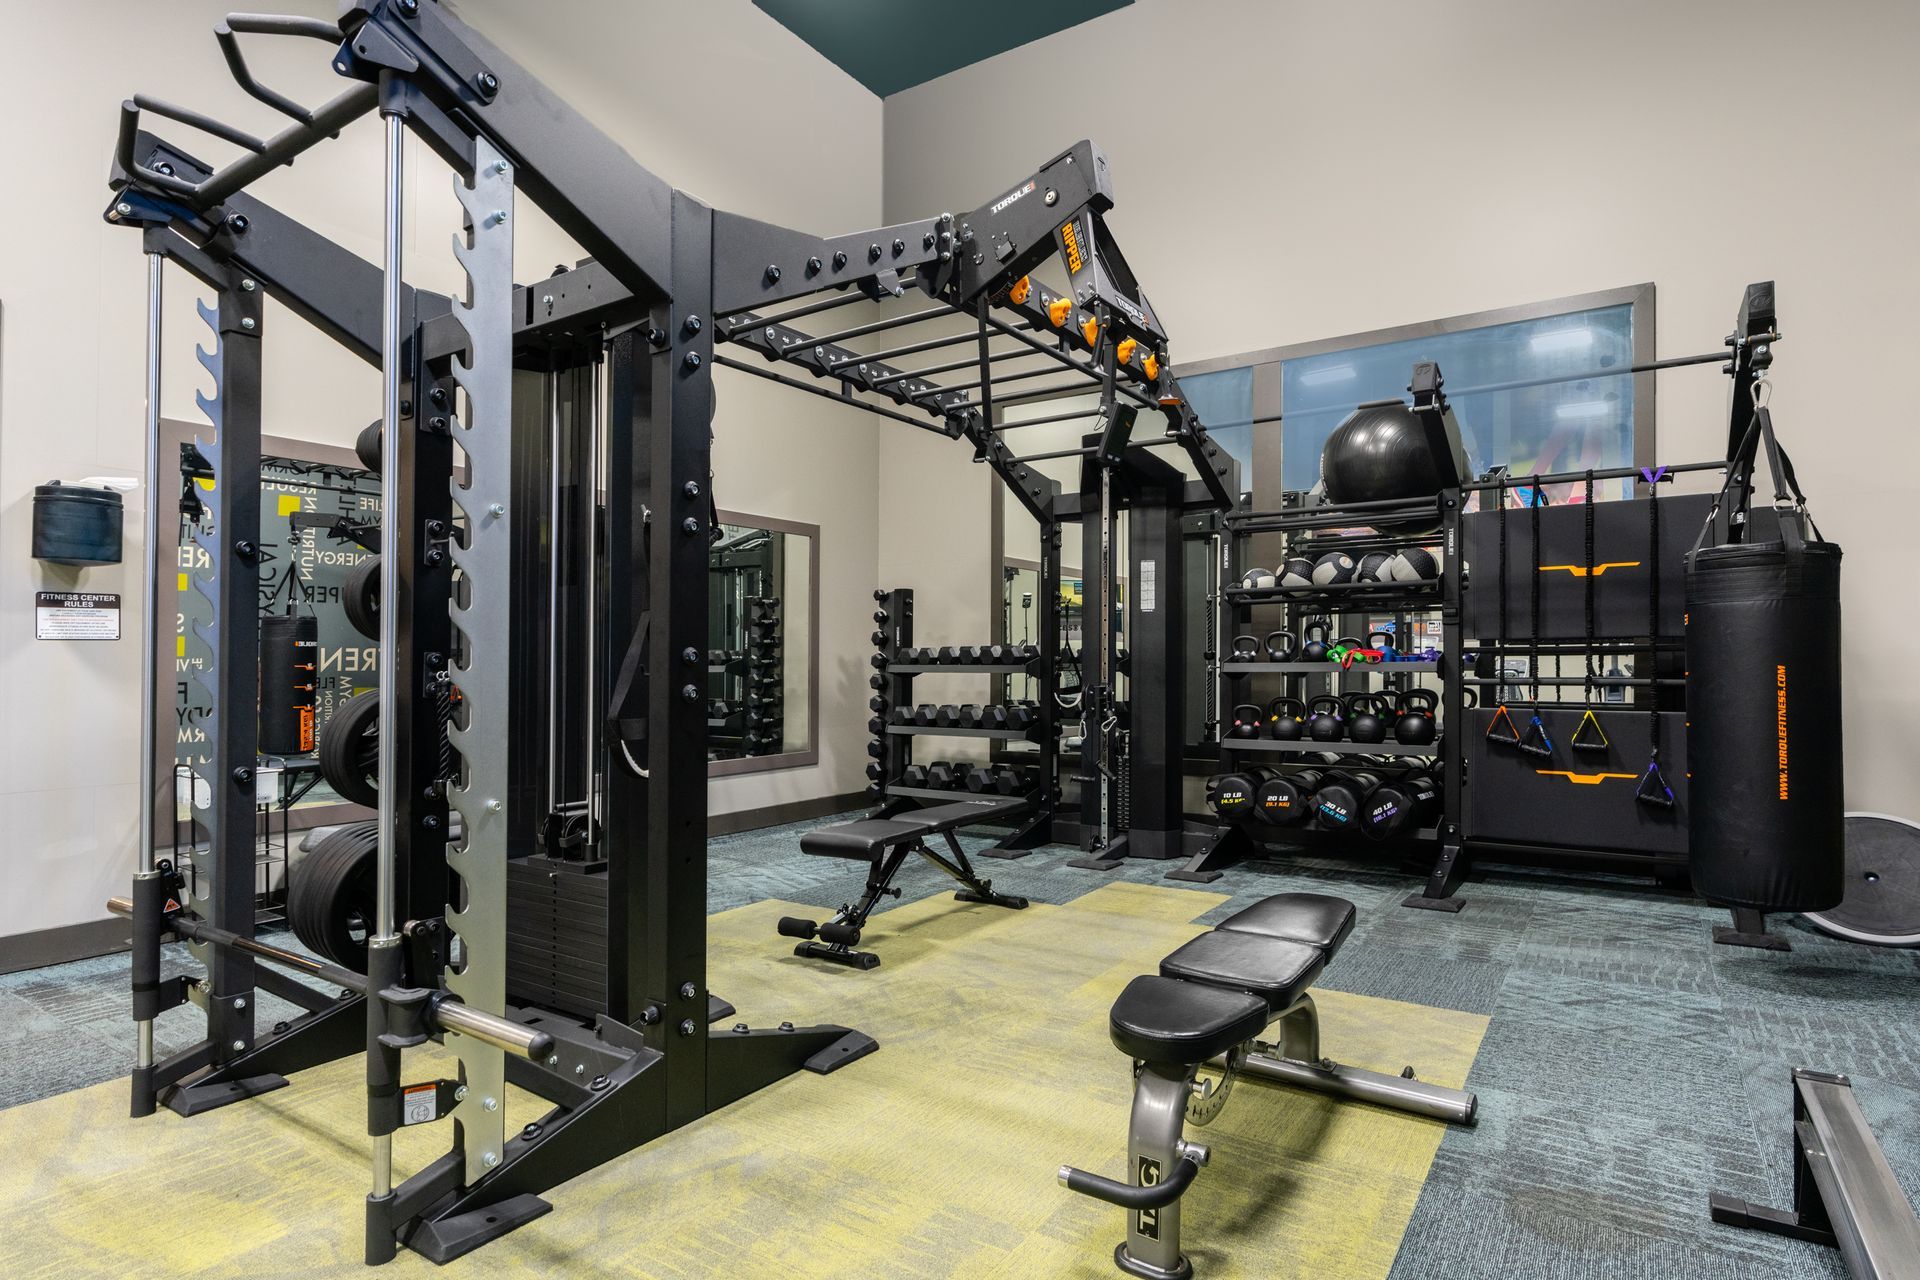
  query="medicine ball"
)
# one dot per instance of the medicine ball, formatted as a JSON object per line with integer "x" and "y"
{"x": 1296, "y": 574}
{"x": 1373, "y": 567}
{"x": 1257, "y": 579}
{"x": 1415, "y": 564}
{"x": 1380, "y": 454}
{"x": 1332, "y": 569}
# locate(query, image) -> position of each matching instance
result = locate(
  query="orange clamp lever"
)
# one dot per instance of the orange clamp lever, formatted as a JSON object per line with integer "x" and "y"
{"x": 1150, "y": 365}
{"x": 1021, "y": 288}
{"x": 1124, "y": 352}
{"x": 1091, "y": 331}
{"x": 1058, "y": 310}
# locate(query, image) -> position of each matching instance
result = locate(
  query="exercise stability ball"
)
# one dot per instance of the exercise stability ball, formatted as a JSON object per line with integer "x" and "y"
{"x": 1380, "y": 453}
{"x": 1766, "y": 829}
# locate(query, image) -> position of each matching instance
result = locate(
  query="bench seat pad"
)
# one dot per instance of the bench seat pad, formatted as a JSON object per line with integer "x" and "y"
{"x": 1162, "y": 1020}
{"x": 1316, "y": 919}
{"x": 860, "y": 839}
{"x": 1273, "y": 969}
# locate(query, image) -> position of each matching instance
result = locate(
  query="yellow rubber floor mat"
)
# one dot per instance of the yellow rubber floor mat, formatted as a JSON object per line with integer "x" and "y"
{"x": 935, "y": 1156}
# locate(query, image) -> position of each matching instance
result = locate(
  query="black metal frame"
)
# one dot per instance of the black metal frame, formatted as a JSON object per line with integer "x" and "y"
{"x": 673, "y": 277}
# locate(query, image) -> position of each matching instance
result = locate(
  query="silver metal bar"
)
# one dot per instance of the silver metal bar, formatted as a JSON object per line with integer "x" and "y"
{"x": 501, "y": 1033}
{"x": 590, "y": 587}
{"x": 1418, "y": 1097}
{"x": 385, "y": 933}
{"x": 150, "y": 616}
{"x": 556, "y": 773}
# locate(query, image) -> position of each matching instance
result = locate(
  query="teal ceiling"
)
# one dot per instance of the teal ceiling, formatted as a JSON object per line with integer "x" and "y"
{"x": 890, "y": 45}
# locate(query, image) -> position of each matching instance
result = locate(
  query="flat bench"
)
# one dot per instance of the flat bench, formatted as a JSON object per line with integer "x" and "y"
{"x": 885, "y": 844}
{"x": 1205, "y": 1010}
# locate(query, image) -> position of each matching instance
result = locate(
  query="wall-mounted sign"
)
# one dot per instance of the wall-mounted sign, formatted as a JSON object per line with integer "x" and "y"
{"x": 76, "y": 615}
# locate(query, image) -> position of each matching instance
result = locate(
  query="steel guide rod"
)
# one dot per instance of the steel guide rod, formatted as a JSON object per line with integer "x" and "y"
{"x": 950, "y": 367}
{"x": 1091, "y": 370}
{"x": 150, "y": 616}
{"x": 748, "y": 320}
{"x": 391, "y": 290}
{"x": 555, "y": 773}
{"x": 590, "y": 508}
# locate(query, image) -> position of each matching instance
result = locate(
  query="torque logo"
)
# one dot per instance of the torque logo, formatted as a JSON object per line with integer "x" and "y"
{"x": 1011, "y": 196}
{"x": 1584, "y": 779}
{"x": 1070, "y": 241}
{"x": 1780, "y": 722}
{"x": 1581, "y": 571}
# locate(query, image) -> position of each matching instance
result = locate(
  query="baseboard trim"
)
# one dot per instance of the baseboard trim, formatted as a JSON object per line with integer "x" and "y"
{"x": 727, "y": 824}
{"x": 83, "y": 941}
{"x": 92, "y": 938}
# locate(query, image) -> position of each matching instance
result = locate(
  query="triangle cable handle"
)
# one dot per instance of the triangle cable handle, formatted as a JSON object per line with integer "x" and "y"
{"x": 1510, "y": 737}
{"x": 1580, "y": 741}
{"x": 1535, "y": 741}
{"x": 1653, "y": 788}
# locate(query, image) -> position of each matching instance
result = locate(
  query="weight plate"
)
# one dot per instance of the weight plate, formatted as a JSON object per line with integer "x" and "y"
{"x": 1882, "y": 902}
{"x": 360, "y": 597}
{"x": 350, "y": 751}
{"x": 330, "y": 895}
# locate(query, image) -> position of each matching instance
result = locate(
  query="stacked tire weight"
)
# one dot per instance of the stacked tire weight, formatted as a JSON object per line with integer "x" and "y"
{"x": 1380, "y": 799}
{"x": 764, "y": 721}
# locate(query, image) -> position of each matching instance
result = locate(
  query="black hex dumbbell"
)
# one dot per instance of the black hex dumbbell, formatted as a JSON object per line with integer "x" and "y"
{"x": 944, "y": 776}
{"x": 914, "y": 775}
{"x": 1022, "y": 715}
{"x": 924, "y": 714}
{"x": 993, "y": 717}
{"x": 979, "y": 780}
{"x": 900, "y": 715}
{"x": 947, "y": 654}
{"x": 874, "y": 770}
{"x": 876, "y": 682}
{"x": 875, "y": 703}
{"x": 875, "y": 748}
{"x": 948, "y": 716}
{"x": 875, "y": 725}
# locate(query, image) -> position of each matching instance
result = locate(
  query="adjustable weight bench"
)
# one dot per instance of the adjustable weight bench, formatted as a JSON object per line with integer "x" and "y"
{"x": 1205, "y": 1011}
{"x": 885, "y": 843}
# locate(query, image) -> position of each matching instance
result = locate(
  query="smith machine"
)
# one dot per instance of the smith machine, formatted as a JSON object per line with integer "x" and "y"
{"x": 504, "y": 413}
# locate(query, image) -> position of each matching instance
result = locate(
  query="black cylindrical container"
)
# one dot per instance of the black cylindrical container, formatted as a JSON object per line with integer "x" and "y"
{"x": 288, "y": 647}
{"x": 1763, "y": 736}
{"x": 73, "y": 524}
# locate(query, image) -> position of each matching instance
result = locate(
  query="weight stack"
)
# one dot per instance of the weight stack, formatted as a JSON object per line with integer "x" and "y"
{"x": 1763, "y": 696}
{"x": 288, "y": 646}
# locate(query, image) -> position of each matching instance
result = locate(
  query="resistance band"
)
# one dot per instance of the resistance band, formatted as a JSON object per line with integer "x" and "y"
{"x": 1500, "y": 729}
{"x": 1535, "y": 741}
{"x": 1589, "y": 735}
{"x": 1653, "y": 789}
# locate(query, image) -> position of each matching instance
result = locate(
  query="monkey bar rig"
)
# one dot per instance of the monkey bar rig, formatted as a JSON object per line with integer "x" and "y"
{"x": 669, "y": 278}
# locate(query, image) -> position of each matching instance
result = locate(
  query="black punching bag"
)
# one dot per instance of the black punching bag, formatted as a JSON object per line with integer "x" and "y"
{"x": 287, "y": 649}
{"x": 1763, "y": 709}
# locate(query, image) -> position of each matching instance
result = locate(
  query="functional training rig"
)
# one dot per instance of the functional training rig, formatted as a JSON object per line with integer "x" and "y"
{"x": 1204, "y": 1013}
{"x": 668, "y": 278}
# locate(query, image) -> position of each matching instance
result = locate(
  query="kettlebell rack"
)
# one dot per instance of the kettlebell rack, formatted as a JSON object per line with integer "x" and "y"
{"x": 1337, "y": 661}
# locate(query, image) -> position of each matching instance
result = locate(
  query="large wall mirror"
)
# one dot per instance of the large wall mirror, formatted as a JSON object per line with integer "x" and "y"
{"x": 763, "y": 596}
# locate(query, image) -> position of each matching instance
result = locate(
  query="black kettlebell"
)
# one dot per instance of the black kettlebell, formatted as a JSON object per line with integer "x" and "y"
{"x": 1364, "y": 722}
{"x": 1313, "y": 640}
{"x": 1281, "y": 646}
{"x": 1246, "y": 721}
{"x": 1414, "y": 725}
{"x": 1286, "y": 719}
{"x": 1383, "y": 641}
{"x": 1246, "y": 649}
{"x": 1325, "y": 723}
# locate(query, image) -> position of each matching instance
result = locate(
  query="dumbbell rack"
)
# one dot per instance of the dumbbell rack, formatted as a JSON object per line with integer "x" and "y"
{"x": 762, "y": 712}
{"x": 1313, "y": 532}
{"x": 891, "y": 745}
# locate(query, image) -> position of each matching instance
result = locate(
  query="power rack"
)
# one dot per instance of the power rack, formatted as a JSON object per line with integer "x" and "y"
{"x": 631, "y": 1058}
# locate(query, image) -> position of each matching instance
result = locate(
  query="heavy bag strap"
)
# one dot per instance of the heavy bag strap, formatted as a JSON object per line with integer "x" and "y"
{"x": 1735, "y": 493}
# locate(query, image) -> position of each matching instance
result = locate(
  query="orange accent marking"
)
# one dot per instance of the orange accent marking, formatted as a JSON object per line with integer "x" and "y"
{"x": 1150, "y": 365}
{"x": 1058, "y": 310}
{"x": 1091, "y": 331}
{"x": 1021, "y": 287}
{"x": 1584, "y": 779}
{"x": 1581, "y": 571}
{"x": 1124, "y": 352}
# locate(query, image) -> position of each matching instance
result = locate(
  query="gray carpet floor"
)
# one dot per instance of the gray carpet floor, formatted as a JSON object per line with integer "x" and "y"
{"x": 1629, "y": 1066}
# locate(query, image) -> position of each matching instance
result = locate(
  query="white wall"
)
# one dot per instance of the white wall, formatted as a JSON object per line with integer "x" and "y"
{"x": 709, "y": 96}
{"x": 1294, "y": 170}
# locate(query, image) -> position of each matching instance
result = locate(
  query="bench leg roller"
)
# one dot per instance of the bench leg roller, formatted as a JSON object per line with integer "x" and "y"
{"x": 794, "y": 927}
